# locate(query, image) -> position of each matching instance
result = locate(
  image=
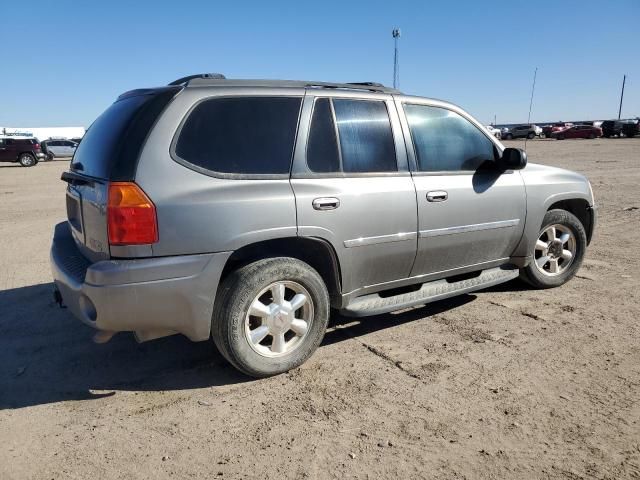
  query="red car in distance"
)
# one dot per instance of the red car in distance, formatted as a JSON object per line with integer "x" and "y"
{"x": 578, "y": 131}
{"x": 555, "y": 127}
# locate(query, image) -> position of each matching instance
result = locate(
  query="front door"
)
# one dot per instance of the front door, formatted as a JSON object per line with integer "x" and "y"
{"x": 353, "y": 188}
{"x": 470, "y": 214}
{"x": 4, "y": 155}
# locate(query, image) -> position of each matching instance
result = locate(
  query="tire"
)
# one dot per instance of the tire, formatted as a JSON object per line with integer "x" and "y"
{"x": 250, "y": 284}
{"x": 591, "y": 136}
{"x": 27, "y": 160}
{"x": 531, "y": 135}
{"x": 560, "y": 137}
{"x": 50, "y": 156}
{"x": 508, "y": 136}
{"x": 564, "y": 223}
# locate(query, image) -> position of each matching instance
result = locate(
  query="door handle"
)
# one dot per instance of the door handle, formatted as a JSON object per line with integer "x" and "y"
{"x": 437, "y": 196}
{"x": 325, "y": 203}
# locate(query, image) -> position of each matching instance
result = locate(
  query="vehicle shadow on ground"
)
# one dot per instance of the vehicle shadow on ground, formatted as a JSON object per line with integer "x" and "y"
{"x": 48, "y": 356}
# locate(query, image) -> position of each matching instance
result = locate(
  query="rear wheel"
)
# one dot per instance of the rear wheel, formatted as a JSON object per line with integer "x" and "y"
{"x": 592, "y": 136}
{"x": 27, "y": 160}
{"x": 270, "y": 316}
{"x": 531, "y": 135}
{"x": 558, "y": 251}
{"x": 560, "y": 137}
{"x": 508, "y": 136}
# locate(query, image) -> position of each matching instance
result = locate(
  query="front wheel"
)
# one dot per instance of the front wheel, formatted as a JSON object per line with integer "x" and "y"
{"x": 531, "y": 135}
{"x": 270, "y": 316}
{"x": 508, "y": 136}
{"x": 558, "y": 251}
{"x": 27, "y": 160}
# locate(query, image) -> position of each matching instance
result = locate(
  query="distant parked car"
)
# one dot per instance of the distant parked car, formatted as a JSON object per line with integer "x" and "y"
{"x": 555, "y": 127}
{"x": 26, "y": 151}
{"x": 59, "y": 148}
{"x": 521, "y": 131}
{"x": 578, "y": 131}
{"x": 631, "y": 128}
{"x": 496, "y": 132}
{"x": 611, "y": 128}
{"x": 76, "y": 139}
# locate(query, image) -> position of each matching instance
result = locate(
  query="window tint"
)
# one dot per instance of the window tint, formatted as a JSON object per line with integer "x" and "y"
{"x": 366, "y": 141}
{"x": 9, "y": 141}
{"x": 245, "y": 135}
{"x": 322, "y": 148}
{"x": 445, "y": 141}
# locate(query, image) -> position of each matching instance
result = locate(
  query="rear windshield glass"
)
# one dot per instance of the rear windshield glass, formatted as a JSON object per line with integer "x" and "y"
{"x": 110, "y": 148}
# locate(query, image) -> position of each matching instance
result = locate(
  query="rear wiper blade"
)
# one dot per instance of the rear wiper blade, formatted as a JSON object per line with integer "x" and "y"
{"x": 76, "y": 179}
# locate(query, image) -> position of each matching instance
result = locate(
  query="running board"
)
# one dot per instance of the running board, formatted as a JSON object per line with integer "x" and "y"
{"x": 374, "y": 304}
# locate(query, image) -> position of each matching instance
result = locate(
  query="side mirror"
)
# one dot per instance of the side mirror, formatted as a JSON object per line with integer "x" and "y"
{"x": 513, "y": 159}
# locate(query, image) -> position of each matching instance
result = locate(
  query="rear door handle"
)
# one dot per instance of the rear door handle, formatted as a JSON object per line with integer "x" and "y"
{"x": 437, "y": 196}
{"x": 326, "y": 203}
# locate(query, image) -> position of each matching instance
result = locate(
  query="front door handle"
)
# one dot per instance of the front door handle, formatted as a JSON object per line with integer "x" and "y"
{"x": 437, "y": 196}
{"x": 326, "y": 203}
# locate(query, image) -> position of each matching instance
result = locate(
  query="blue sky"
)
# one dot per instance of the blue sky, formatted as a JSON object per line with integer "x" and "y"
{"x": 70, "y": 60}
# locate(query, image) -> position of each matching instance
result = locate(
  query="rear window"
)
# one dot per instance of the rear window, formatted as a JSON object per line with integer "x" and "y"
{"x": 112, "y": 144}
{"x": 240, "y": 135}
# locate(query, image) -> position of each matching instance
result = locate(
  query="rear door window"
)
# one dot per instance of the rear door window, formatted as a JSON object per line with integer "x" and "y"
{"x": 240, "y": 135}
{"x": 351, "y": 136}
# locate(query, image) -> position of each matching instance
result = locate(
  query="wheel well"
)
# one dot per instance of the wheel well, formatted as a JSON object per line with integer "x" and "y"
{"x": 314, "y": 251}
{"x": 580, "y": 208}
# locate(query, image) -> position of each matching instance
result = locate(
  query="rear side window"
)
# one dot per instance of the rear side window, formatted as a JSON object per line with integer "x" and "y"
{"x": 364, "y": 142}
{"x": 241, "y": 135}
{"x": 446, "y": 141}
{"x": 113, "y": 143}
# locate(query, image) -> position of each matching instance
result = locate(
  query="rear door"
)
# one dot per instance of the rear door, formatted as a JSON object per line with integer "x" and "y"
{"x": 470, "y": 214}
{"x": 109, "y": 152}
{"x": 353, "y": 188}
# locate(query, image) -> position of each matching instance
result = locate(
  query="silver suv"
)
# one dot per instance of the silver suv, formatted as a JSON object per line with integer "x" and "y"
{"x": 246, "y": 210}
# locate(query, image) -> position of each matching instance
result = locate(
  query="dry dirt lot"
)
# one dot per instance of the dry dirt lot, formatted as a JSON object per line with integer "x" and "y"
{"x": 507, "y": 383}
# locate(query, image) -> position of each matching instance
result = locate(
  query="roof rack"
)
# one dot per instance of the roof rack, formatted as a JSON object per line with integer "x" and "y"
{"x": 213, "y": 79}
{"x": 180, "y": 81}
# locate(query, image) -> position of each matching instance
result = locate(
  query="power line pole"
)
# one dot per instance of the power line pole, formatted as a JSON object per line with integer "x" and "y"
{"x": 396, "y": 66}
{"x": 624, "y": 79}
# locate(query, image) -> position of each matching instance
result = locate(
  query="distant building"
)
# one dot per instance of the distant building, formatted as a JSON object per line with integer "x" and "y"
{"x": 43, "y": 133}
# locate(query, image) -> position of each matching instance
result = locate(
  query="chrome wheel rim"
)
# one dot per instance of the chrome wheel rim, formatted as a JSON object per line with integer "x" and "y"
{"x": 27, "y": 161}
{"x": 555, "y": 250}
{"x": 279, "y": 318}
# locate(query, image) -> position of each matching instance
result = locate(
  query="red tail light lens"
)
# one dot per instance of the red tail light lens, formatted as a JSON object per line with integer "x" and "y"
{"x": 37, "y": 146}
{"x": 131, "y": 216}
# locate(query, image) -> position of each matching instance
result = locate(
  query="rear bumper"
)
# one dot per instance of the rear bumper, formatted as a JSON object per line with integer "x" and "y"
{"x": 152, "y": 297}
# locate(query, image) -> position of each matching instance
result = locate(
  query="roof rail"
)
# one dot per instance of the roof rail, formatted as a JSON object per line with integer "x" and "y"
{"x": 215, "y": 76}
{"x": 220, "y": 80}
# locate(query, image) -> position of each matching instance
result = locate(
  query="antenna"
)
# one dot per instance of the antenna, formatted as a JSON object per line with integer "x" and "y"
{"x": 533, "y": 87}
{"x": 396, "y": 65}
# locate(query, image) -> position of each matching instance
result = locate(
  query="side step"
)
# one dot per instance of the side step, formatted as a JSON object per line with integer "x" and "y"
{"x": 374, "y": 304}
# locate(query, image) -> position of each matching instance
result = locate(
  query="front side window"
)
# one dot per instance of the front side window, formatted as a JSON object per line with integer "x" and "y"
{"x": 241, "y": 135}
{"x": 445, "y": 141}
{"x": 360, "y": 139}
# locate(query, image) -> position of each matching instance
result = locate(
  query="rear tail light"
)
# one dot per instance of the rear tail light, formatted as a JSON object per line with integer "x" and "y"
{"x": 131, "y": 215}
{"x": 37, "y": 146}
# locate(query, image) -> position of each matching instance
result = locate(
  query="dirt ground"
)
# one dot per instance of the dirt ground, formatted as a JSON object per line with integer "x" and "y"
{"x": 505, "y": 383}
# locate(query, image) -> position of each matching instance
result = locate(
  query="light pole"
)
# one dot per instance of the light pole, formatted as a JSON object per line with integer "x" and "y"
{"x": 396, "y": 66}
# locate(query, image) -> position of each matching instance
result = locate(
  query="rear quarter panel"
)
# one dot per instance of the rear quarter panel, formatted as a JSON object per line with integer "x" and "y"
{"x": 198, "y": 213}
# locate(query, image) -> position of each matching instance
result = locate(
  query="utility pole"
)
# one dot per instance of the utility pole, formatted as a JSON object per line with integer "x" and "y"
{"x": 533, "y": 87}
{"x": 624, "y": 79}
{"x": 494, "y": 119}
{"x": 396, "y": 66}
